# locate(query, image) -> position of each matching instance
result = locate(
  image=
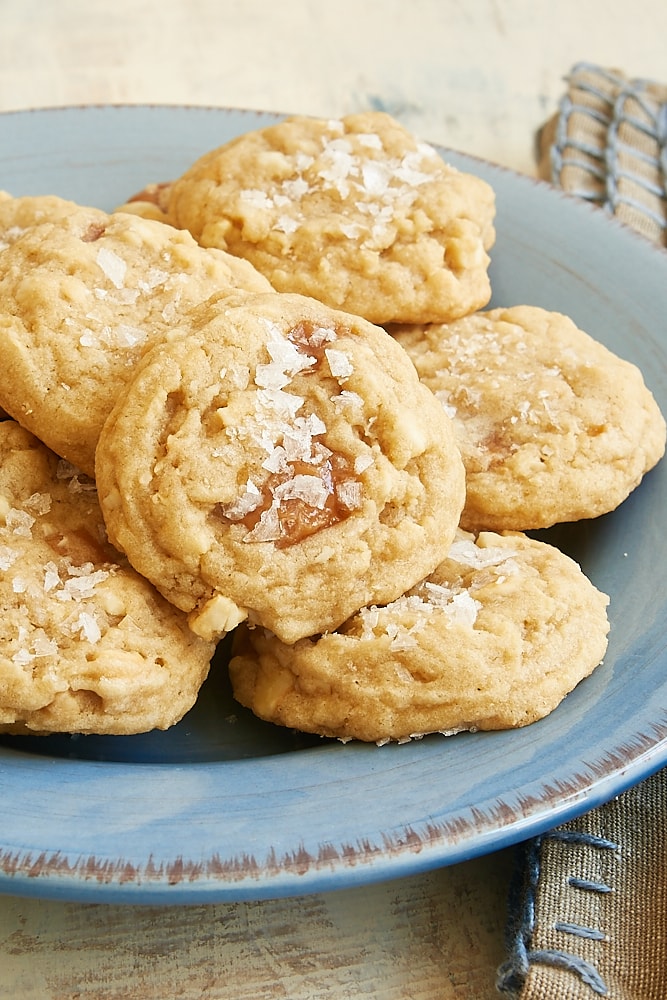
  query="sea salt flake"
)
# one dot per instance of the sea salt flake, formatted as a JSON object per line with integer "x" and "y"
{"x": 340, "y": 365}
{"x": 310, "y": 489}
{"x": 376, "y": 177}
{"x": 256, "y": 198}
{"x": 248, "y": 501}
{"x": 347, "y": 398}
{"x": 362, "y": 462}
{"x": 88, "y": 627}
{"x": 287, "y": 356}
{"x": 369, "y": 139}
{"x": 38, "y": 503}
{"x": 42, "y": 645}
{"x": 285, "y": 405}
{"x": 155, "y": 277}
{"x": 322, "y": 335}
{"x": 8, "y": 557}
{"x": 298, "y": 442}
{"x": 114, "y": 267}
{"x": 10, "y": 236}
{"x": 51, "y": 577}
{"x": 271, "y": 376}
{"x": 89, "y": 338}
{"x": 350, "y": 494}
{"x": 83, "y": 586}
{"x": 286, "y": 224}
{"x": 351, "y": 229}
{"x": 23, "y": 657}
{"x": 19, "y": 522}
{"x": 295, "y": 188}
{"x": 125, "y": 335}
{"x": 462, "y": 609}
{"x": 302, "y": 161}
{"x": 464, "y": 550}
{"x": 267, "y": 528}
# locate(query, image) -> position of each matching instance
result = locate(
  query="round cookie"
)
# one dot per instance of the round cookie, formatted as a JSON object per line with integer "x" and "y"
{"x": 86, "y": 644}
{"x": 355, "y": 212}
{"x": 495, "y": 638}
{"x": 552, "y": 426}
{"x": 282, "y": 463}
{"x": 80, "y": 298}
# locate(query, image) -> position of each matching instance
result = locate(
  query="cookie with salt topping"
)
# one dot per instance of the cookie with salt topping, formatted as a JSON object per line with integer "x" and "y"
{"x": 552, "y": 426}
{"x": 282, "y": 464}
{"x": 494, "y": 638}
{"x": 86, "y": 644}
{"x": 81, "y": 295}
{"x": 355, "y": 212}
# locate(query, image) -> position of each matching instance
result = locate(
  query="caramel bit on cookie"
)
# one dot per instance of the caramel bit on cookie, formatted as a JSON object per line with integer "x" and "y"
{"x": 308, "y": 486}
{"x": 94, "y": 232}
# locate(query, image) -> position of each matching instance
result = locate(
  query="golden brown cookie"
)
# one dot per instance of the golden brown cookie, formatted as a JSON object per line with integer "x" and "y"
{"x": 552, "y": 426}
{"x": 495, "y": 638}
{"x": 86, "y": 644}
{"x": 282, "y": 463}
{"x": 355, "y": 212}
{"x": 80, "y": 298}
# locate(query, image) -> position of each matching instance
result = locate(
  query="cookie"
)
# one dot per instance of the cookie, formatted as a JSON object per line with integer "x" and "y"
{"x": 495, "y": 638}
{"x": 80, "y": 298}
{"x": 552, "y": 426}
{"x": 281, "y": 463}
{"x": 355, "y": 212}
{"x": 86, "y": 644}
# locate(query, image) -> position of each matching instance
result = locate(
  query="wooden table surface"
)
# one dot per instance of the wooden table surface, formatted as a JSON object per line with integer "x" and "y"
{"x": 480, "y": 77}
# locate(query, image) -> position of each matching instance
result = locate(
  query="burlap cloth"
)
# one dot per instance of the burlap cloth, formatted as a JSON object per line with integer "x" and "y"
{"x": 588, "y": 908}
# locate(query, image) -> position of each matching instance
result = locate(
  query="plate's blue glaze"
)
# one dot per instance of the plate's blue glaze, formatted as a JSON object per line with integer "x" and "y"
{"x": 223, "y": 807}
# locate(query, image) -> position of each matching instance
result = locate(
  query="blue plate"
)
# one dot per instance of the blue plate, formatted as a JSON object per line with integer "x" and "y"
{"x": 224, "y": 807}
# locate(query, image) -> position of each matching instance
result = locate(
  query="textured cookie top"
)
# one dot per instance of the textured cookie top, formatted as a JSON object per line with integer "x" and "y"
{"x": 355, "y": 212}
{"x": 86, "y": 644}
{"x": 19, "y": 214}
{"x": 552, "y": 426}
{"x": 281, "y": 462}
{"x": 495, "y": 638}
{"x": 80, "y": 298}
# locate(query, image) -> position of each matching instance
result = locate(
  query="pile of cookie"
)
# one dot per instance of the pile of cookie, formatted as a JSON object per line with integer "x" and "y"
{"x": 265, "y": 398}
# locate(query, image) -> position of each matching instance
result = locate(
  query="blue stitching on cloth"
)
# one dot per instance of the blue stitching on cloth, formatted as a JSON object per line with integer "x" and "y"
{"x": 601, "y": 164}
{"x": 650, "y": 128}
{"x": 578, "y": 930}
{"x": 521, "y": 923}
{"x": 588, "y": 886}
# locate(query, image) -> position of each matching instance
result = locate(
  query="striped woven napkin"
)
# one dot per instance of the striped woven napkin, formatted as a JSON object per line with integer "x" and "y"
{"x": 588, "y": 907}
